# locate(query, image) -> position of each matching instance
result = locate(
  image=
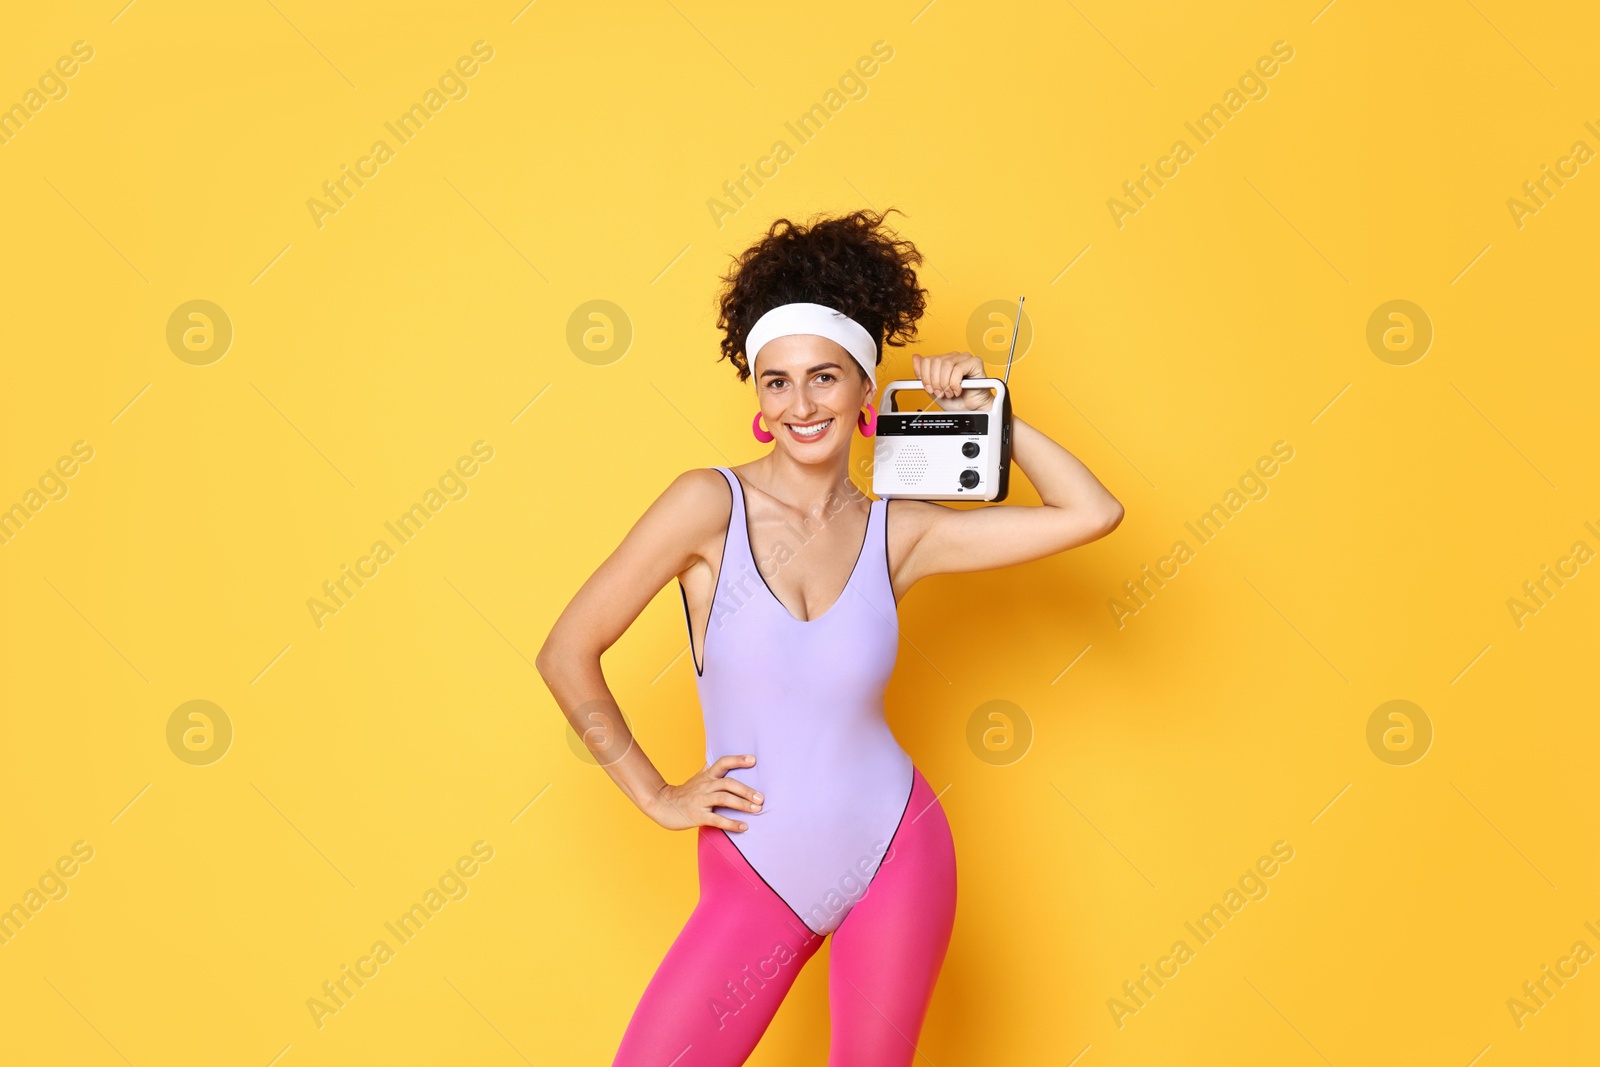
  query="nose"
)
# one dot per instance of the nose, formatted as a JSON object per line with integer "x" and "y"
{"x": 803, "y": 407}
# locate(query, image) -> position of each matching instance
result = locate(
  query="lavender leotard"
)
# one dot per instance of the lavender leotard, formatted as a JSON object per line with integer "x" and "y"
{"x": 845, "y": 810}
{"x": 806, "y": 699}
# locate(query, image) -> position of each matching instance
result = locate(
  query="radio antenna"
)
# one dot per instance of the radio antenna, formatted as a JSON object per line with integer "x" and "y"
{"x": 1015, "y": 329}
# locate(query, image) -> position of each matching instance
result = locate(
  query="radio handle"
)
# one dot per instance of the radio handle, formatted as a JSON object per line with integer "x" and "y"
{"x": 899, "y": 385}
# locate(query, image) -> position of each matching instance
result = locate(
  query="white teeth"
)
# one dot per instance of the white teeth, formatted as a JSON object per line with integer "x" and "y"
{"x": 813, "y": 430}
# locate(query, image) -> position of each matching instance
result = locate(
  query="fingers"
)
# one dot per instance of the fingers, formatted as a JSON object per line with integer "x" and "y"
{"x": 704, "y": 802}
{"x": 725, "y": 799}
{"x": 742, "y": 791}
{"x": 731, "y": 793}
{"x": 934, "y": 374}
{"x": 724, "y": 764}
{"x": 941, "y": 376}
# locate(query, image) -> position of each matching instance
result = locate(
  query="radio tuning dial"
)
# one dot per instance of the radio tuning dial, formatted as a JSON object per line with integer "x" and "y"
{"x": 970, "y": 449}
{"x": 969, "y": 478}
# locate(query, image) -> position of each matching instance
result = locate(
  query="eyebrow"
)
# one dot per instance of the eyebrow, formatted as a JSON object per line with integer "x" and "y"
{"x": 809, "y": 370}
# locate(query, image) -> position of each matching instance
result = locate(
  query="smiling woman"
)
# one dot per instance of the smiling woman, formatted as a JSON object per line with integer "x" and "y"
{"x": 811, "y": 820}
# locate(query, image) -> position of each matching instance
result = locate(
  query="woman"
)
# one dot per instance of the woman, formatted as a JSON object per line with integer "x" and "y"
{"x": 811, "y": 820}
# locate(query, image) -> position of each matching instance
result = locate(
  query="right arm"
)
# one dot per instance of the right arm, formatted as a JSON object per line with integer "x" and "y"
{"x": 664, "y": 543}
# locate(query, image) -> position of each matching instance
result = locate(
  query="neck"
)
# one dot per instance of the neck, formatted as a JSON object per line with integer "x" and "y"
{"x": 809, "y": 487}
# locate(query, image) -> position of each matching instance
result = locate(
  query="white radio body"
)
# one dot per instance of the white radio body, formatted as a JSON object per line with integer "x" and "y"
{"x": 943, "y": 455}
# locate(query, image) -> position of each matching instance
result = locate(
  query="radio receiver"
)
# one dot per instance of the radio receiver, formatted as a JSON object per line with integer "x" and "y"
{"x": 945, "y": 455}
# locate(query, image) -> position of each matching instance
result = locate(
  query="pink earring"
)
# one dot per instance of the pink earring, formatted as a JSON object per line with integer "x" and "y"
{"x": 761, "y": 433}
{"x": 868, "y": 426}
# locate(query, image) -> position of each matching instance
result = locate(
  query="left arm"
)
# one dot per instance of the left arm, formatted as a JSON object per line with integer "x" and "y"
{"x": 1075, "y": 508}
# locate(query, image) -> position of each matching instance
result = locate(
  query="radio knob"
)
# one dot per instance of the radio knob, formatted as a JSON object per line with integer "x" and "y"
{"x": 970, "y": 449}
{"x": 969, "y": 478}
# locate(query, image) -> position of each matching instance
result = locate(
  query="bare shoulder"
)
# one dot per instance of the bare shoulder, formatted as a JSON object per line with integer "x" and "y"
{"x": 669, "y": 539}
{"x": 697, "y": 487}
{"x": 695, "y": 508}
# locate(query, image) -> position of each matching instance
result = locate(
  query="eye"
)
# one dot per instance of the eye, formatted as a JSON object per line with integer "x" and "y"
{"x": 828, "y": 375}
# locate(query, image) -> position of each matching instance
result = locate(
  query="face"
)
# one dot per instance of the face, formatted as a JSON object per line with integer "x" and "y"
{"x": 809, "y": 383}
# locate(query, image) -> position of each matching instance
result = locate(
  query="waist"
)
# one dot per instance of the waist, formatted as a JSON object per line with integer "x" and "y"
{"x": 798, "y": 750}
{"x": 824, "y": 790}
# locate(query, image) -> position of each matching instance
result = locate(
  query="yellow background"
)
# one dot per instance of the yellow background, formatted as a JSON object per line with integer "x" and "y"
{"x": 432, "y": 310}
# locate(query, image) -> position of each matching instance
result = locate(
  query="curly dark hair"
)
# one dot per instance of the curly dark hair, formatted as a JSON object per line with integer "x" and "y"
{"x": 846, "y": 262}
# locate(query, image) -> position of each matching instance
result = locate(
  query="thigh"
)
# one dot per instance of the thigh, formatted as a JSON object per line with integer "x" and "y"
{"x": 726, "y": 973}
{"x": 886, "y": 955}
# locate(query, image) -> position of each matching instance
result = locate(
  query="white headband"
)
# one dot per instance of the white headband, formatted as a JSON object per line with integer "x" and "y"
{"x": 818, "y": 320}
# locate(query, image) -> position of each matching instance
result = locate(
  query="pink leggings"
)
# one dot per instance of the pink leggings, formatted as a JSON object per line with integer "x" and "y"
{"x": 742, "y": 948}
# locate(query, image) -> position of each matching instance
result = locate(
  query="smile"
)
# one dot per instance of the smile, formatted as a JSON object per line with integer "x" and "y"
{"x": 809, "y": 431}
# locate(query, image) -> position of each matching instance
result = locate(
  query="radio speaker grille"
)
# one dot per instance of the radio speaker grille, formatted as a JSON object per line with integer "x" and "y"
{"x": 911, "y": 464}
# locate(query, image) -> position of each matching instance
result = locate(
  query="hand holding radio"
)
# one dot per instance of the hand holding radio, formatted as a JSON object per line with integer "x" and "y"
{"x": 962, "y": 452}
{"x": 942, "y": 378}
